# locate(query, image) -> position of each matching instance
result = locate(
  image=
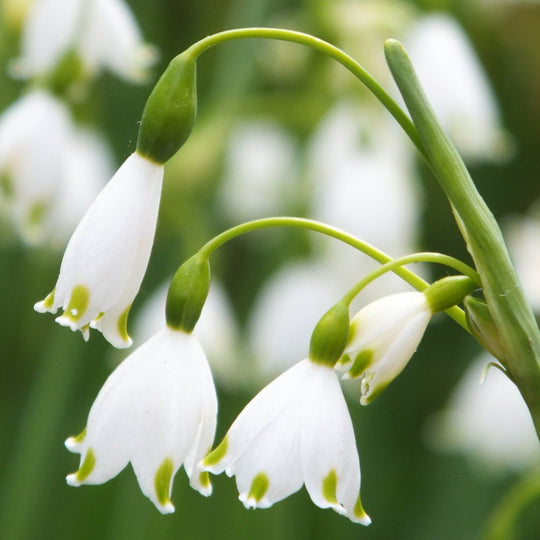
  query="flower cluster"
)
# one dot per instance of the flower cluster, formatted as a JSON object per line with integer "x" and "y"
{"x": 158, "y": 409}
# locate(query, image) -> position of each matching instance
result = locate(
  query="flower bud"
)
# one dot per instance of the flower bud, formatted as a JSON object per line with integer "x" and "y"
{"x": 187, "y": 294}
{"x": 447, "y": 292}
{"x": 330, "y": 336}
{"x": 169, "y": 113}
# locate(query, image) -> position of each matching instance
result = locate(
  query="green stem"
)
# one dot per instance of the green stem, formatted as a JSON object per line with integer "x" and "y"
{"x": 410, "y": 277}
{"x": 326, "y": 48}
{"x": 426, "y": 256}
{"x": 511, "y": 313}
{"x": 502, "y": 524}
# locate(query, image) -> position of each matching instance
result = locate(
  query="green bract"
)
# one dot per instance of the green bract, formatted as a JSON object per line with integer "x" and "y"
{"x": 169, "y": 113}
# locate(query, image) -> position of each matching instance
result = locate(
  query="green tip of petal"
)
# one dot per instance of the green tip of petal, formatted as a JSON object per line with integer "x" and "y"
{"x": 361, "y": 362}
{"x": 122, "y": 324}
{"x": 329, "y": 487}
{"x": 80, "y": 437}
{"x": 204, "y": 479}
{"x": 162, "y": 483}
{"x": 49, "y": 300}
{"x": 86, "y": 468}
{"x": 259, "y": 487}
{"x": 373, "y": 393}
{"x": 360, "y": 513}
{"x": 214, "y": 457}
{"x": 80, "y": 298}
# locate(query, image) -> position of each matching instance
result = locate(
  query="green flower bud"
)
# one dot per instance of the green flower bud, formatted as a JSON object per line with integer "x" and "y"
{"x": 187, "y": 294}
{"x": 330, "y": 336}
{"x": 448, "y": 291}
{"x": 169, "y": 113}
{"x": 483, "y": 327}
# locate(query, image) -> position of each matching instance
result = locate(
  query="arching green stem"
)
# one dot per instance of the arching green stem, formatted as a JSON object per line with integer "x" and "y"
{"x": 326, "y": 48}
{"x": 301, "y": 223}
{"x": 425, "y": 256}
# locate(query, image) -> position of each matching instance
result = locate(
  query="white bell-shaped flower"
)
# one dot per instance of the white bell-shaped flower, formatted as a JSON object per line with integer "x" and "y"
{"x": 106, "y": 258}
{"x": 383, "y": 337}
{"x": 158, "y": 411}
{"x": 34, "y": 136}
{"x": 103, "y": 33}
{"x": 296, "y": 431}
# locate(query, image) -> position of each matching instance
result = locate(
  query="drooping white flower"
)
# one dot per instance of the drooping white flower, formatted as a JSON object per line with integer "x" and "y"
{"x": 106, "y": 258}
{"x": 383, "y": 337}
{"x": 216, "y": 330}
{"x": 296, "y": 431}
{"x": 457, "y": 86}
{"x": 158, "y": 411}
{"x": 487, "y": 422}
{"x": 34, "y": 136}
{"x": 103, "y": 33}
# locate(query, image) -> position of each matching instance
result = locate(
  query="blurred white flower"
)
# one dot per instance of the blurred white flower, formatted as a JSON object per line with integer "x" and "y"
{"x": 157, "y": 410}
{"x": 383, "y": 337}
{"x": 361, "y": 170}
{"x": 88, "y": 165}
{"x": 457, "y": 87}
{"x": 488, "y": 422}
{"x": 35, "y": 133}
{"x": 216, "y": 330}
{"x": 286, "y": 310}
{"x": 296, "y": 431}
{"x": 361, "y": 174}
{"x": 103, "y": 33}
{"x": 523, "y": 235}
{"x": 260, "y": 171}
{"x": 106, "y": 258}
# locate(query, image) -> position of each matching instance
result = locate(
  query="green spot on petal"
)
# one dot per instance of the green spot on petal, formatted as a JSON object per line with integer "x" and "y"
{"x": 80, "y": 437}
{"x": 259, "y": 487}
{"x": 49, "y": 300}
{"x": 87, "y": 467}
{"x": 329, "y": 487}
{"x": 204, "y": 479}
{"x": 217, "y": 455}
{"x": 359, "y": 511}
{"x": 122, "y": 324}
{"x": 162, "y": 481}
{"x": 80, "y": 298}
{"x": 361, "y": 362}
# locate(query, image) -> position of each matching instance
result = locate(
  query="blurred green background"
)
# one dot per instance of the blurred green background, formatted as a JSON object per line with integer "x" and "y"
{"x": 49, "y": 376}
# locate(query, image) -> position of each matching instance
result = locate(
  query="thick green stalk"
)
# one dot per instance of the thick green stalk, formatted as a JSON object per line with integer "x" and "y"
{"x": 511, "y": 313}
